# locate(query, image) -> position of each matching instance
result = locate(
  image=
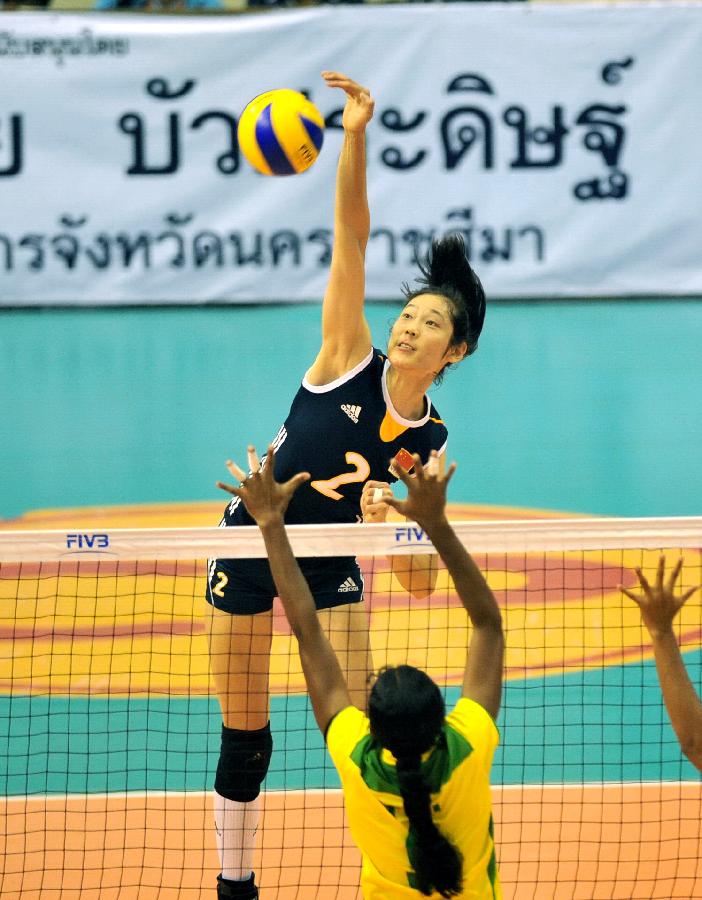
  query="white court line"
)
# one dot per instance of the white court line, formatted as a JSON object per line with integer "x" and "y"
{"x": 502, "y": 788}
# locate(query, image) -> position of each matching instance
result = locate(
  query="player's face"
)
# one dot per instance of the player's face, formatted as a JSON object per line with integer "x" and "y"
{"x": 421, "y": 338}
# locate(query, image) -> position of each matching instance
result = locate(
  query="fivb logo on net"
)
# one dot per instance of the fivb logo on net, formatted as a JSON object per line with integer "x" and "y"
{"x": 411, "y": 535}
{"x": 82, "y": 542}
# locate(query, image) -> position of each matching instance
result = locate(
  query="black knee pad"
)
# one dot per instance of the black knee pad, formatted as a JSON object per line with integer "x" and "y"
{"x": 236, "y": 890}
{"x": 243, "y": 763}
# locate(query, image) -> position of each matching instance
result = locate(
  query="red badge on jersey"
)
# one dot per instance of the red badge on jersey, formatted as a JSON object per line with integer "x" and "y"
{"x": 404, "y": 458}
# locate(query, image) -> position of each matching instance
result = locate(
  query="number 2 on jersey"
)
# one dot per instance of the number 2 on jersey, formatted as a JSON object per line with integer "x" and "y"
{"x": 221, "y": 584}
{"x": 328, "y": 486}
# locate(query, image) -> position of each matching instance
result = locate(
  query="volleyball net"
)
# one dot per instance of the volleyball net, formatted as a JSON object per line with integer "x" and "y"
{"x": 109, "y": 728}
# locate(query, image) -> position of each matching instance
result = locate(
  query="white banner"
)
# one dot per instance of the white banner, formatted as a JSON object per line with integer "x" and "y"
{"x": 562, "y": 141}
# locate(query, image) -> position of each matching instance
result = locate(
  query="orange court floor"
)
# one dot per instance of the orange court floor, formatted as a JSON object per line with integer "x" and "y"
{"x": 572, "y": 842}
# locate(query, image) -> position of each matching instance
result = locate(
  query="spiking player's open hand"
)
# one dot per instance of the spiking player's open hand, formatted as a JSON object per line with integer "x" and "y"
{"x": 359, "y": 104}
{"x": 265, "y": 499}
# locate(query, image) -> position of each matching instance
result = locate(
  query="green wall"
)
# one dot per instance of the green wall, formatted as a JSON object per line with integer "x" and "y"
{"x": 588, "y": 406}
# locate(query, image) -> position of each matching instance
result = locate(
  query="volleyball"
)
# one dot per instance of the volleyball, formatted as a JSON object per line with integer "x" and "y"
{"x": 281, "y": 132}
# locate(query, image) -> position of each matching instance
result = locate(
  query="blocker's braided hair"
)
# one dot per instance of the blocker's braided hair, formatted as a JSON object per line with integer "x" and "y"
{"x": 406, "y": 712}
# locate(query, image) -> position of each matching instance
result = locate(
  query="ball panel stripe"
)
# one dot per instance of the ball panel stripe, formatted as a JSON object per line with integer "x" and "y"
{"x": 256, "y": 158}
{"x": 315, "y": 132}
{"x": 247, "y": 137}
{"x": 293, "y": 136}
{"x": 269, "y": 146}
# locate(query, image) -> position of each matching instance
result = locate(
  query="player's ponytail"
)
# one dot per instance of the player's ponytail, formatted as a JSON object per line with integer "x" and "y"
{"x": 447, "y": 272}
{"x": 436, "y": 862}
{"x": 406, "y": 712}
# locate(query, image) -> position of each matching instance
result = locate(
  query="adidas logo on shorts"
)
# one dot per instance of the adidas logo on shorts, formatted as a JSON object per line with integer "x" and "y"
{"x": 353, "y": 412}
{"x": 348, "y": 585}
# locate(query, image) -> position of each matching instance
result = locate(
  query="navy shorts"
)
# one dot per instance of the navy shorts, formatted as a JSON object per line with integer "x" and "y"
{"x": 245, "y": 587}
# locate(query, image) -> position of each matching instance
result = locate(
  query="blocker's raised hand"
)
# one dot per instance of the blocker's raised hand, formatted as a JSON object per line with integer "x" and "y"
{"x": 265, "y": 499}
{"x": 659, "y": 604}
{"x": 426, "y": 491}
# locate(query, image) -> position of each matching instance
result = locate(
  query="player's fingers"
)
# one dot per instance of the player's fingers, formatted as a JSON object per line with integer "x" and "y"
{"x": 643, "y": 581}
{"x": 371, "y": 484}
{"x": 432, "y": 464}
{"x": 253, "y": 460}
{"x": 238, "y": 473}
{"x": 673, "y": 577}
{"x": 400, "y": 471}
{"x": 294, "y": 483}
{"x": 398, "y": 505}
{"x": 228, "y": 488}
{"x": 372, "y": 495}
{"x": 336, "y": 79}
{"x": 358, "y": 96}
{"x": 268, "y": 467}
{"x": 420, "y": 472}
{"x": 629, "y": 594}
{"x": 339, "y": 77}
{"x": 353, "y": 90}
{"x": 686, "y": 596}
{"x": 660, "y": 573}
{"x": 449, "y": 472}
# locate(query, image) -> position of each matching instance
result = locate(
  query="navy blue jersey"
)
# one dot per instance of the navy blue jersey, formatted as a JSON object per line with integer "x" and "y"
{"x": 344, "y": 433}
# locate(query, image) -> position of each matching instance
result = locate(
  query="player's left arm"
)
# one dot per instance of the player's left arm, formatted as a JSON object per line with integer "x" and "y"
{"x": 266, "y": 500}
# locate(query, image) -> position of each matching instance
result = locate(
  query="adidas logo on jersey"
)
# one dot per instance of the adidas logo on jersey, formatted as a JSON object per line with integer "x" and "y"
{"x": 353, "y": 412}
{"x": 348, "y": 585}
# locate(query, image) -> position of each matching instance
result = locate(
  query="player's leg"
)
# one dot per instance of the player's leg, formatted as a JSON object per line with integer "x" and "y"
{"x": 347, "y": 628}
{"x": 239, "y": 648}
{"x": 337, "y": 586}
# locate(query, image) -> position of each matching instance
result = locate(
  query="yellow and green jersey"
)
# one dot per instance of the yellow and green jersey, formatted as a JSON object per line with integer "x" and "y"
{"x": 457, "y": 770}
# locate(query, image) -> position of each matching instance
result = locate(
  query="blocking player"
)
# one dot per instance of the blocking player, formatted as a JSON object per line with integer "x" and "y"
{"x": 416, "y": 781}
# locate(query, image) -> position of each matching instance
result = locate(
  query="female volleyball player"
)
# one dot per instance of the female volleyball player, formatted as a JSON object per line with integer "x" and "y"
{"x": 415, "y": 780}
{"x": 659, "y": 606}
{"x": 356, "y": 409}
